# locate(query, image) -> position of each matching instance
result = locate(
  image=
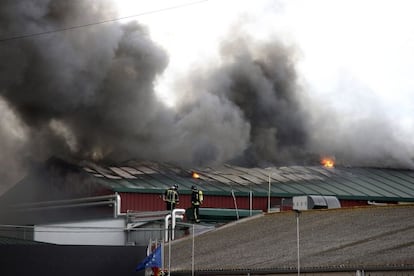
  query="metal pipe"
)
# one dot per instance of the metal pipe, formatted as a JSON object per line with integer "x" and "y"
{"x": 64, "y": 201}
{"x": 107, "y": 202}
{"x": 114, "y": 199}
{"x": 297, "y": 239}
{"x": 176, "y": 213}
{"x": 169, "y": 258}
{"x": 251, "y": 201}
{"x": 268, "y": 197}
{"x": 162, "y": 255}
{"x": 166, "y": 223}
{"x": 117, "y": 206}
{"x": 192, "y": 254}
{"x": 235, "y": 204}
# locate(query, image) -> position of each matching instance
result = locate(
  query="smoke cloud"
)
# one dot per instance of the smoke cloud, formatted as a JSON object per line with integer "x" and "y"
{"x": 355, "y": 127}
{"x": 259, "y": 80}
{"x": 89, "y": 94}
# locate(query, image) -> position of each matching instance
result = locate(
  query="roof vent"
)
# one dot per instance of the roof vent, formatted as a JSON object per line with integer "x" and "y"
{"x": 308, "y": 202}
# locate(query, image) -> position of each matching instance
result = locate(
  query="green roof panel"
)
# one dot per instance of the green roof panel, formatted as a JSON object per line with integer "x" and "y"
{"x": 343, "y": 182}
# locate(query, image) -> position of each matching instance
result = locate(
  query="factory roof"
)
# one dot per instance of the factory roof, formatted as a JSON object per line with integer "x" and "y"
{"x": 58, "y": 179}
{"x": 335, "y": 239}
{"x": 378, "y": 184}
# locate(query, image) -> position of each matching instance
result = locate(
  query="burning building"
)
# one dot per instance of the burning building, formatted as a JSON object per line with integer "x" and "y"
{"x": 244, "y": 130}
{"x": 88, "y": 93}
{"x": 128, "y": 194}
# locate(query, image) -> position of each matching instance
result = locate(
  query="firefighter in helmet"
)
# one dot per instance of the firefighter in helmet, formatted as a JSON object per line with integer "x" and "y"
{"x": 196, "y": 201}
{"x": 171, "y": 197}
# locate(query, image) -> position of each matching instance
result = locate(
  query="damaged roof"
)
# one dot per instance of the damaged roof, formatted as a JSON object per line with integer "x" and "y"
{"x": 343, "y": 182}
{"x": 58, "y": 179}
{"x": 347, "y": 238}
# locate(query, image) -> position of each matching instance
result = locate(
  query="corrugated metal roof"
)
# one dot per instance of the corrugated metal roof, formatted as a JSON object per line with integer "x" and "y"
{"x": 348, "y": 238}
{"x": 343, "y": 182}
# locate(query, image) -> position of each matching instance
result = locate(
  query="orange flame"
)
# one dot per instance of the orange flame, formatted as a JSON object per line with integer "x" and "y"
{"x": 328, "y": 162}
{"x": 195, "y": 175}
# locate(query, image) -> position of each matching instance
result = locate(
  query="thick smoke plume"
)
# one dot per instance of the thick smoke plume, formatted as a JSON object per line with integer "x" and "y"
{"x": 89, "y": 94}
{"x": 260, "y": 81}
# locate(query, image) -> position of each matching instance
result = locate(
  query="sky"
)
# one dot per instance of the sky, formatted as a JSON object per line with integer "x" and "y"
{"x": 254, "y": 82}
{"x": 368, "y": 42}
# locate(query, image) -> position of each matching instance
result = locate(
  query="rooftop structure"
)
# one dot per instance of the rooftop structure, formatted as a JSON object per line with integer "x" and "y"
{"x": 70, "y": 188}
{"x": 347, "y": 239}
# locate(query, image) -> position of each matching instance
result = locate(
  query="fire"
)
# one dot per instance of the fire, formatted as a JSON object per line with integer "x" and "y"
{"x": 328, "y": 162}
{"x": 195, "y": 175}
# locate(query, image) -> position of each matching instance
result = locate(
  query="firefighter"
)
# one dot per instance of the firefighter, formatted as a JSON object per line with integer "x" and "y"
{"x": 171, "y": 197}
{"x": 196, "y": 201}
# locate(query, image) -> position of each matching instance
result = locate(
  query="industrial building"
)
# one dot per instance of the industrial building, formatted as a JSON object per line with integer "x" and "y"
{"x": 122, "y": 204}
{"x": 89, "y": 205}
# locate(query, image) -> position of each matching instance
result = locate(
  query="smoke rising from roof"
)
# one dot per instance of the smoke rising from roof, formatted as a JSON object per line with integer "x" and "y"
{"x": 258, "y": 79}
{"x": 89, "y": 93}
{"x": 355, "y": 128}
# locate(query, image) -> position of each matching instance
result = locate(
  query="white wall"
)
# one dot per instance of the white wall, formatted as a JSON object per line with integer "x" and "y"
{"x": 93, "y": 232}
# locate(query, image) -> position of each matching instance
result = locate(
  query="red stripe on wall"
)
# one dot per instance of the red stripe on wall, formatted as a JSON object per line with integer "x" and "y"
{"x": 154, "y": 202}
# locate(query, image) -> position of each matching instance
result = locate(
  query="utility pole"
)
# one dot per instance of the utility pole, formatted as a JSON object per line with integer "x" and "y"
{"x": 297, "y": 239}
{"x": 268, "y": 197}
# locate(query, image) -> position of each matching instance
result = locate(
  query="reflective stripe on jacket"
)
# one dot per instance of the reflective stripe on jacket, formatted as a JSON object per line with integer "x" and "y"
{"x": 171, "y": 195}
{"x": 197, "y": 197}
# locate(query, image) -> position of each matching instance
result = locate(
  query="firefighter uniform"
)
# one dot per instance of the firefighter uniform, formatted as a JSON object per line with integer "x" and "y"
{"x": 171, "y": 197}
{"x": 196, "y": 201}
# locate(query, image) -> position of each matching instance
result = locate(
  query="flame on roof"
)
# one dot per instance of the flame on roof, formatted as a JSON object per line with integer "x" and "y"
{"x": 195, "y": 175}
{"x": 328, "y": 162}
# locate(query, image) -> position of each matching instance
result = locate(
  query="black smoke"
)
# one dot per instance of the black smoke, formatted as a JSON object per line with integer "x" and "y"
{"x": 80, "y": 93}
{"x": 88, "y": 93}
{"x": 259, "y": 80}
